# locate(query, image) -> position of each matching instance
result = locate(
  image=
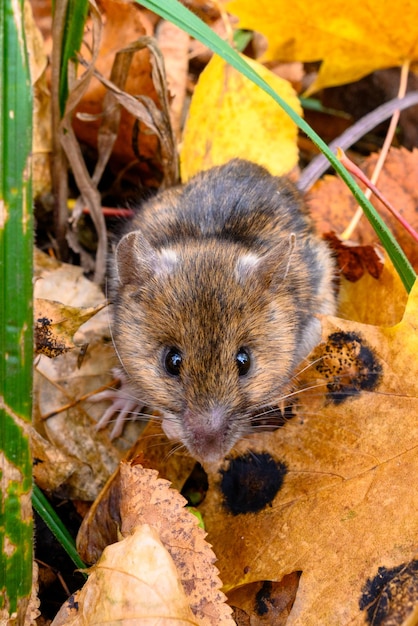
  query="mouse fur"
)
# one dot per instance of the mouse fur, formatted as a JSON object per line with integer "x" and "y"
{"x": 218, "y": 284}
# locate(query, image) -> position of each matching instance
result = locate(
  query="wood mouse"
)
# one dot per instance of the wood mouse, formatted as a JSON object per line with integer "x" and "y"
{"x": 217, "y": 286}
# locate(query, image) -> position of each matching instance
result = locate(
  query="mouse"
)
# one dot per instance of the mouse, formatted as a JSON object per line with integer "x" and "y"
{"x": 217, "y": 288}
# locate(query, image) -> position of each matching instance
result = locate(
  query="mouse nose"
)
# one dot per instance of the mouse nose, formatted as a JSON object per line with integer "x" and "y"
{"x": 207, "y": 433}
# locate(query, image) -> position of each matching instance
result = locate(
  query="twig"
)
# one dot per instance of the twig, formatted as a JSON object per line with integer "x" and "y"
{"x": 320, "y": 164}
{"x": 371, "y": 188}
{"x": 403, "y": 83}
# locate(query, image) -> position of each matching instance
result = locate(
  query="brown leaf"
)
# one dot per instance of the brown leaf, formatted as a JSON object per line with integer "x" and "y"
{"x": 332, "y": 204}
{"x": 149, "y": 500}
{"x": 135, "y": 582}
{"x": 353, "y": 259}
{"x": 100, "y": 526}
{"x": 123, "y": 23}
{"x": 264, "y": 602}
{"x": 56, "y": 324}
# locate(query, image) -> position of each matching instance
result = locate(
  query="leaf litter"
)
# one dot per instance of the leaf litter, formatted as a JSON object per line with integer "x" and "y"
{"x": 339, "y": 518}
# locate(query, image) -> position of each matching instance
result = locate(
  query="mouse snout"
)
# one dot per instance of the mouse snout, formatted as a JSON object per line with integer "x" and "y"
{"x": 208, "y": 433}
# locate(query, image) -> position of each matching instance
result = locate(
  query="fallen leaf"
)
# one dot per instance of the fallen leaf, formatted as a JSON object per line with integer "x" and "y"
{"x": 56, "y": 324}
{"x": 229, "y": 116}
{"x": 149, "y": 506}
{"x": 333, "y": 496}
{"x": 264, "y": 602}
{"x": 100, "y": 526}
{"x": 135, "y": 582}
{"x": 369, "y": 300}
{"x": 350, "y": 41}
{"x": 64, "y": 283}
{"x": 123, "y": 23}
{"x": 149, "y": 500}
{"x": 354, "y": 260}
{"x": 42, "y": 140}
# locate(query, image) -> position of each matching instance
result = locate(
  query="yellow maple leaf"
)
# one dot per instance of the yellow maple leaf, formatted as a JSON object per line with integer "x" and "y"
{"x": 351, "y": 39}
{"x": 231, "y": 117}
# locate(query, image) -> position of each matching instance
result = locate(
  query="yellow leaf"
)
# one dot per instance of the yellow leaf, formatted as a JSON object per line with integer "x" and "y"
{"x": 334, "y": 497}
{"x": 231, "y": 117}
{"x": 351, "y": 39}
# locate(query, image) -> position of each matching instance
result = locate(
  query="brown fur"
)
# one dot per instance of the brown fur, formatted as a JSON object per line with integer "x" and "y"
{"x": 229, "y": 260}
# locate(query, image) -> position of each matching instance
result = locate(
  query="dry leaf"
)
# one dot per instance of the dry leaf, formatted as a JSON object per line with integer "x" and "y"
{"x": 73, "y": 459}
{"x": 147, "y": 502}
{"x": 100, "y": 526}
{"x": 264, "y": 602}
{"x": 147, "y": 499}
{"x": 355, "y": 260}
{"x": 135, "y": 582}
{"x": 350, "y": 41}
{"x": 123, "y": 23}
{"x": 174, "y": 44}
{"x": 56, "y": 324}
{"x": 42, "y": 141}
{"x": 64, "y": 283}
{"x": 332, "y": 204}
{"x": 333, "y": 497}
{"x": 362, "y": 301}
{"x": 230, "y": 116}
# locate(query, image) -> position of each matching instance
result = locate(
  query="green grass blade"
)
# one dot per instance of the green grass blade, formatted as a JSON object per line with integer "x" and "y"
{"x": 16, "y": 315}
{"x": 55, "y": 525}
{"x": 175, "y": 12}
{"x": 72, "y": 37}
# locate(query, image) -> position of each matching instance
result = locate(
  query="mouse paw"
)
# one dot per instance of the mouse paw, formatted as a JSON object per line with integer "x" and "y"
{"x": 124, "y": 405}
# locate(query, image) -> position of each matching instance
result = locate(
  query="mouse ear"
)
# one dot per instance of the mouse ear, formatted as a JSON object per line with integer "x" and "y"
{"x": 269, "y": 269}
{"x": 137, "y": 260}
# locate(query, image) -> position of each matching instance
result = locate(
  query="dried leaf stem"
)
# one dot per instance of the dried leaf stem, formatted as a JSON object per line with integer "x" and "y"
{"x": 403, "y": 83}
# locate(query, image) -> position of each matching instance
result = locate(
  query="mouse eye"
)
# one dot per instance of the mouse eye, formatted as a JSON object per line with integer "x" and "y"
{"x": 172, "y": 361}
{"x": 243, "y": 360}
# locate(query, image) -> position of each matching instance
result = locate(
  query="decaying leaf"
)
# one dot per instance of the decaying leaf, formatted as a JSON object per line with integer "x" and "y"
{"x": 230, "y": 116}
{"x": 149, "y": 500}
{"x": 350, "y": 42}
{"x": 355, "y": 260}
{"x": 56, "y": 324}
{"x": 100, "y": 526}
{"x": 162, "y": 567}
{"x": 135, "y": 582}
{"x": 329, "y": 494}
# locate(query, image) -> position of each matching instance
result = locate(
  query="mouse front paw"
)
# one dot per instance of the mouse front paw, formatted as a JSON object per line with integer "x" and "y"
{"x": 125, "y": 406}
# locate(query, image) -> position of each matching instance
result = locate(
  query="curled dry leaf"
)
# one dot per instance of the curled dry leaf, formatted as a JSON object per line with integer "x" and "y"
{"x": 123, "y": 22}
{"x": 147, "y": 499}
{"x": 230, "y": 116}
{"x": 100, "y": 526}
{"x": 163, "y": 567}
{"x": 135, "y": 582}
{"x": 354, "y": 260}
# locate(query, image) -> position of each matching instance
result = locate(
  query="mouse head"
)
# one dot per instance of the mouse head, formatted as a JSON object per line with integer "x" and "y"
{"x": 208, "y": 334}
